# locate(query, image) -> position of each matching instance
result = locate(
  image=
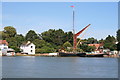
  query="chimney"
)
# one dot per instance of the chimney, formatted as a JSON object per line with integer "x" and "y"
{"x": 28, "y": 42}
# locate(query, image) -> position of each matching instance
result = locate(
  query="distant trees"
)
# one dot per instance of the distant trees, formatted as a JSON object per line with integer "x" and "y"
{"x": 87, "y": 48}
{"x": 118, "y": 39}
{"x": 109, "y": 43}
{"x": 10, "y": 31}
{"x": 66, "y": 45}
{"x": 31, "y": 35}
{"x": 92, "y": 40}
{"x": 53, "y": 40}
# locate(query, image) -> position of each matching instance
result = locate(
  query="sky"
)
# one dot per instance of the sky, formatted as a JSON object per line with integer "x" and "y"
{"x": 42, "y": 16}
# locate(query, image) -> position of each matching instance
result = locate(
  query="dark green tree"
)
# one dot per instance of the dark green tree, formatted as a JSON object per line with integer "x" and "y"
{"x": 10, "y": 31}
{"x": 53, "y": 36}
{"x": 118, "y": 39}
{"x": 31, "y": 36}
{"x": 67, "y": 44}
{"x": 92, "y": 40}
{"x": 20, "y": 39}
{"x": 109, "y": 43}
{"x": 118, "y": 35}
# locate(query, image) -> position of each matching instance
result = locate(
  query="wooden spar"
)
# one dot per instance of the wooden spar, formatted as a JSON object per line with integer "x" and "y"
{"x": 77, "y": 34}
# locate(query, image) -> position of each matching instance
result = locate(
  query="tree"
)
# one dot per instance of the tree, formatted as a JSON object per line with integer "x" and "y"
{"x": 41, "y": 43}
{"x": 101, "y": 41}
{"x": 20, "y": 39}
{"x": 90, "y": 48}
{"x": 68, "y": 36}
{"x": 118, "y": 39}
{"x": 45, "y": 49}
{"x": 10, "y": 31}
{"x": 3, "y": 35}
{"x": 118, "y": 35}
{"x": 17, "y": 49}
{"x": 12, "y": 41}
{"x": 53, "y": 36}
{"x": 109, "y": 43}
{"x": 31, "y": 36}
{"x": 92, "y": 40}
{"x": 118, "y": 46}
{"x": 67, "y": 44}
{"x": 87, "y": 48}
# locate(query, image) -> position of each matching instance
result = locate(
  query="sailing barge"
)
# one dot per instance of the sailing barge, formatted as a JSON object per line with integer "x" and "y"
{"x": 75, "y": 54}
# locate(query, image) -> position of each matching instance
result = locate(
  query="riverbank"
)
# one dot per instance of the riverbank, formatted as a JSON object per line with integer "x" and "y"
{"x": 47, "y": 55}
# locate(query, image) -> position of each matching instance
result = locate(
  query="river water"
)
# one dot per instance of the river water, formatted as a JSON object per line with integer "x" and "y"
{"x": 59, "y": 67}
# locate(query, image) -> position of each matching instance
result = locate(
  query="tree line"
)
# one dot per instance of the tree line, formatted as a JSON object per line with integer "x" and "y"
{"x": 54, "y": 40}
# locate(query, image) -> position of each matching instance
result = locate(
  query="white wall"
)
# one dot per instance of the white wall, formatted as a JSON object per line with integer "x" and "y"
{"x": 28, "y": 49}
{"x": 3, "y": 46}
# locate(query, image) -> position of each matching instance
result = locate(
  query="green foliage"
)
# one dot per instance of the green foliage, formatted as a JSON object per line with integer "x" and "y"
{"x": 41, "y": 43}
{"x": 109, "y": 43}
{"x": 45, "y": 49}
{"x": 79, "y": 50}
{"x": 10, "y": 31}
{"x": 57, "y": 37}
{"x": 92, "y": 40}
{"x": 67, "y": 44}
{"x": 101, "y": 41}
{"x": 90, "y": 48}
{"x": 17, "y": 49}
{"x": 12, "y": 41}
{"x": 118, "y": 39}
{"x": 118, "y": 35}
{"x": 118, "y": 46}
{"x": 3, "y": 35}
{"x": 20, "y": 39}
{"x": 31, "y": 35}
{"x": 53, "y": 40}
{"x": 87, "y": 48}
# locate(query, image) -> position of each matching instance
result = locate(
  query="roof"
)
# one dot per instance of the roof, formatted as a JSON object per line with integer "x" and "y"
{"x": 26, "y": 44}
{"x": 96, "y": 45}
{"x": 3, "y": 42}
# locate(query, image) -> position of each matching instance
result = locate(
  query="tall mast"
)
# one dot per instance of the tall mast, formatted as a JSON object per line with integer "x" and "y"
{"x": 73, "y": 14}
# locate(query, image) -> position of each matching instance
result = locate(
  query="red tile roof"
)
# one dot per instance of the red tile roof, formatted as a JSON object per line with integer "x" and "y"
{"x": 3, "y": 42}
{"x": 96, "y": 45}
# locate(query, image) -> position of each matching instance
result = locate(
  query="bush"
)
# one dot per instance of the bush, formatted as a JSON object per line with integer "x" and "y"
{"x": 45, "y": 50}
{"x": 15, "y": 48}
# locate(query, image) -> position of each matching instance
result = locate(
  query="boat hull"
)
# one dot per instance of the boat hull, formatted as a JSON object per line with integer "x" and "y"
{"x": 95, "y": 55}
{"x": 62, "y": 54}
{"x": 81, "y": 54}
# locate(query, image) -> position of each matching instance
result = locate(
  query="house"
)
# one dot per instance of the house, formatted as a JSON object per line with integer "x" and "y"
{"x": 97, "y": 46}
{"x": 3, "y": 44}
{"x": 3, "y": 47}
{"x": 28, "y": 48}
{"x": 4, "y": 50}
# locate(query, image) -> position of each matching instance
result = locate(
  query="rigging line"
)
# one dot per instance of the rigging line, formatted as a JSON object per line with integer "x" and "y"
{"x": 82, "y": 36}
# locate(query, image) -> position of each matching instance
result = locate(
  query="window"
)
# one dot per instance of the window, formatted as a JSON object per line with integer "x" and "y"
{"x": 31, "y": 46}
{"x": 31, "y": 50}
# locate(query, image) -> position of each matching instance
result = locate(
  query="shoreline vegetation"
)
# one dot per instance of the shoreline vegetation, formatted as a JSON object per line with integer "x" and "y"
{"x": 55, "y": 40}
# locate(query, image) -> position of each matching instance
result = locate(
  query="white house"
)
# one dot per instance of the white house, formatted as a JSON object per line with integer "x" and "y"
{"x": 28, "y": 48}
{"x": 3, "y": 44}
{"x": 3, "y": 47}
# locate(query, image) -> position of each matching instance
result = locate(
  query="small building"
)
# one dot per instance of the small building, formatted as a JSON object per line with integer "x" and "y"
{"x": 28, "y": 48}
{"x": 3, "y": 47}
{"x": 10, "y": 52}
{"x": 4, "y": 50}
{"x": 97, "y": 46}
{"x": 3, "y": 44}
